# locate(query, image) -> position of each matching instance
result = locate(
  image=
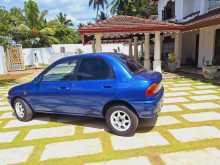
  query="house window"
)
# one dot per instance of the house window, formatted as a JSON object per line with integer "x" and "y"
{"x": 213, "y": 4}
{"x": 169, "y": 10}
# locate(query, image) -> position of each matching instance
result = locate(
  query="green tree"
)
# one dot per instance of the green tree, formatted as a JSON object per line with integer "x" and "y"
{"x": 62, "y": 18}
{"x": 97, "y": 5}
{"x": 30, "y": 28}
{"x": 141, "y": 8}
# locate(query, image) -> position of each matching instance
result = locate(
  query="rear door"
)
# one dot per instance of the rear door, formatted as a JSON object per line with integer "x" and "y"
{"x": 94, "y": 86}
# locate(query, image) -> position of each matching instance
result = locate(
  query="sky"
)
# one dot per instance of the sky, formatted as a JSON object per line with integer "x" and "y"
{"x": 77, "y": 10}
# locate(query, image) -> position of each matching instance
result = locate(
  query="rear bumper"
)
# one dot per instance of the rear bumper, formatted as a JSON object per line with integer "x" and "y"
{"x": 150, "y": 108}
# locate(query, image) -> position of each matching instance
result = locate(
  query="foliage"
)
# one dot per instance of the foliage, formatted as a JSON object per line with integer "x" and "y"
{"x": 171, "y": 58}
{"x": 97, "y": 4}
{"x": 30, "y": 28}
{"x": 141, "y": 8}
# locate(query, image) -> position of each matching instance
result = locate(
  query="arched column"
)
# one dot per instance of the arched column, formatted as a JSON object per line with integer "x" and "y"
{"x": 98, "y": 42}
{"x": 136, "y": 48}
{"x": 147, "y": 63}
{"x": 130, "y": 48}
{"x": 93, "y": 46}
{"x": 178, "y": 48}
{"x": 157, "y": 53}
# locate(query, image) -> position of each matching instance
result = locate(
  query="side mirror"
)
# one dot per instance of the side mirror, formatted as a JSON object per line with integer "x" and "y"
{"x": 38, "y": 79}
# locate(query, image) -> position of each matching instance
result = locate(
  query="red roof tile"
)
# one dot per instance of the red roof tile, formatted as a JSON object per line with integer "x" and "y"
{"x": 129, "y": 24}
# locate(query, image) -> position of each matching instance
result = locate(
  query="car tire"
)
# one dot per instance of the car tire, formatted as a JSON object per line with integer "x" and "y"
{"x": 22, "y": 110}
{"x": 121, "y": 120}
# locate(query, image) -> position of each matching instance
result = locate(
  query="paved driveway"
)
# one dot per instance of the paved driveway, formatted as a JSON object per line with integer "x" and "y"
{"x": 187, "y": 132}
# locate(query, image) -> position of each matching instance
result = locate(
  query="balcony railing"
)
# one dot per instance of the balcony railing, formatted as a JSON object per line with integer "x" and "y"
{"x": 213, "y": 4}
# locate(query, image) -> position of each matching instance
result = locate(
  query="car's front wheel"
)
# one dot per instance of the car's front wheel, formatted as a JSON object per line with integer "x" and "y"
{"x": 22, "y": 110}
{"x": 121, "y": 120}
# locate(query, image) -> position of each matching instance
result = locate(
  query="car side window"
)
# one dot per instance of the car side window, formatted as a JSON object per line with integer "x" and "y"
{"x": 94, "y": 68}
{"x": 62, "y": 71}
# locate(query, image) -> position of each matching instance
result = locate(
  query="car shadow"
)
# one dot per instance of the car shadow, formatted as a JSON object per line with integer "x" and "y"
{"x": 93, "y": 123}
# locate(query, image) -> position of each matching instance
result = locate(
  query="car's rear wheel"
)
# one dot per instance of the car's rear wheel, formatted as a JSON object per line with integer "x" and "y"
{"x": 22, "y": 110}
{"x": 121, "y": 120}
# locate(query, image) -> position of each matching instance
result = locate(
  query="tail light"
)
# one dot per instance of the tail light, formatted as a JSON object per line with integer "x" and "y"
{"x": 153, "y": 89}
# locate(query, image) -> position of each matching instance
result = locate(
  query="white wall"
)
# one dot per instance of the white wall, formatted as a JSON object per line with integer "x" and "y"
{"x": 207, "y": 44}
{"x": 184, "y": 7}
{"x": 3, "y": 68}
{"x": 49, "y": 55}
{"x": 43, "y": 55}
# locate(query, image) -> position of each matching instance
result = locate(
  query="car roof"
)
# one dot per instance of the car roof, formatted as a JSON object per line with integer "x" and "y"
{"x": 102, "y": 54}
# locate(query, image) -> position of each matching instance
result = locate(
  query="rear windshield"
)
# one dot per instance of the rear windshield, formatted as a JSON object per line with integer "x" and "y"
{"x": 131, "y": 64}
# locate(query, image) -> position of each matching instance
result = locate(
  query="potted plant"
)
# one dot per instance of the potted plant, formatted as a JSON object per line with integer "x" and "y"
{"x": 172, "y": 66}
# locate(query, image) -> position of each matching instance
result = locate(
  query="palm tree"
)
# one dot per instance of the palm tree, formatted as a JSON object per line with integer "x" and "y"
{"x": 62, "y": 19}
{"x": 36, "y": 29}
{"x": 141, "y": 8}
{"x": 97, "y": 4}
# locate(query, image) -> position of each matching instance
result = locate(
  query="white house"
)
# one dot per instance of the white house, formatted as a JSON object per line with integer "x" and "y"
{"x": 201, "y": 43}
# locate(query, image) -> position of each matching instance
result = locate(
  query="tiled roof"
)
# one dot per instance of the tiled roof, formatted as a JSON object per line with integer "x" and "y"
{"x": 128, "y": 24}
{"x": 208, "y": 19}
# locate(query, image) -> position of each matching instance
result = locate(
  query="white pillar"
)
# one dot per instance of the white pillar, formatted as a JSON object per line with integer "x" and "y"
{"x": 98, "y": 42}
{"x": 178, "y": 48}
{"x": 93, "y": 46}
{"x": 136, "y": 48}
{"x": 130, "y": 48}
{"x": 157, "y": 53}
{"x": 3, "y": 66}
{"x": 147, "y": 63}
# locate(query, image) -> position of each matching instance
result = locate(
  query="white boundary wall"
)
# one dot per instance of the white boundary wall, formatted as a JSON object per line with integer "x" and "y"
{"x": 51, "y": 54}
{"x": 3, "y": 68}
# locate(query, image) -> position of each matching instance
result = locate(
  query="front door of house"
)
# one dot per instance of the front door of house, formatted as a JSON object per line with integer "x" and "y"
{"x": 216, "y": 60}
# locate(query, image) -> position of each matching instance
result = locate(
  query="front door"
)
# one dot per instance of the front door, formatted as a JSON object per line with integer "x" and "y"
{"x": 216, "y": 60}
{"x": 53, "y": 93}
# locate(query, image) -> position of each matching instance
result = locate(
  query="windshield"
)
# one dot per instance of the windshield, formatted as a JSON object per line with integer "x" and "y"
{"x": 131, "y": 64}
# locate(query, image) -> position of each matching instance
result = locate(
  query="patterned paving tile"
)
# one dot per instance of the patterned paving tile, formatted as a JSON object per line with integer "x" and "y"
{"x": 173, "y": 94}
{"x": 204, "y": 92}
{"x": 182, "y": 85}
{"x": 203, "y": 116}
{"x": 205, "y": 97}
{"x": 128, "y": 161}
{"x": 181, "y": 88}
{"x": 17, "y": 123}
{"x": 166, "y": 120}
{"x": 92, "y": 130}
{"x": 7, "y": 115}
{"x": 72, "y": 148}
{"x": 51, "y": 132}
{"x": 170, "y": 108}
{"x": 139, "y": 140}
{"x": 204, "y": 105}
{"x": 5, "y": 108}
{"x": 81, "y": 139}
{"x": 205, "y": 86}
{"x": 6, "y": 137}
{"x": 175, "y": 100}
{"x": 207, "y": 156}
{"x": 15, "y": 155}
{"x": 195, "y": 133}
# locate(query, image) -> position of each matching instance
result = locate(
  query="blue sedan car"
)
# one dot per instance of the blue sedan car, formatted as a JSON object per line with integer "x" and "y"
{"x": 102, "y": 85}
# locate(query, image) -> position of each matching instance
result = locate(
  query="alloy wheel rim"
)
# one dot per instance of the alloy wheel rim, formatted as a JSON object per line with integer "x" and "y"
{"x": 120, "y": 120}
{"x": 19, "y": 110}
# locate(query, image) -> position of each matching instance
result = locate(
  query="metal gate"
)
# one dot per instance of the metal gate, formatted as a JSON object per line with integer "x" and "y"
{"x": 14, "y": 58}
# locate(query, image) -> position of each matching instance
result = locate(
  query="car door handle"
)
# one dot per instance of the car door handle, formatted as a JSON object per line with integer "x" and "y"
{"x": 63, "y": 88}
{"x": 107, "y": 86}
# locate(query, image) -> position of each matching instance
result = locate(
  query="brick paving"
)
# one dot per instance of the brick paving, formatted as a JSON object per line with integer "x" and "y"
{"x": 187, "y": 131}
